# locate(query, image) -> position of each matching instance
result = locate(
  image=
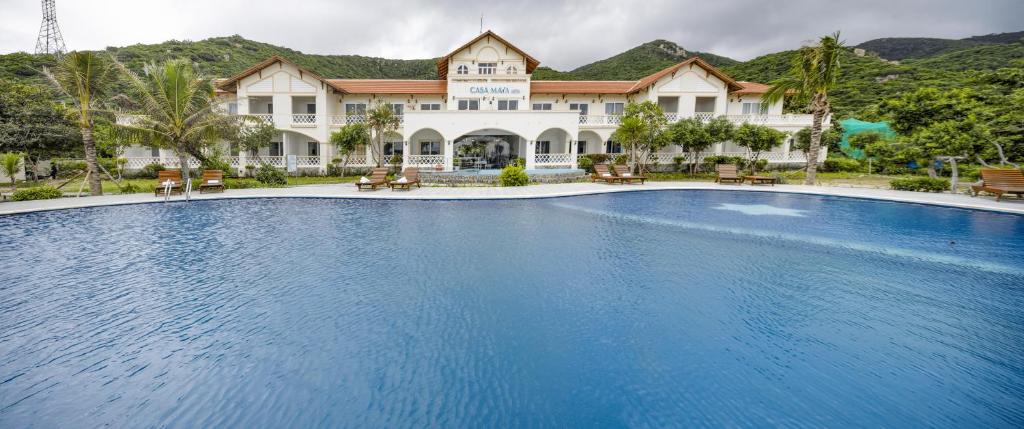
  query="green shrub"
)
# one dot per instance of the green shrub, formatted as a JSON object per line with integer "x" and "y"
{"x": 598, "y": 158}
{"x": 129, "y": 188}
{"x": 269, "y": 175}
{"x": 919, "y": 184}
{"x": 714, "y": 160}
{"x": 621, "y": 159}
{"x": 152, "y": 170}
{"x": 678, "y": 162}
{"x": 520, "y": 162}
{"x": 835, "y": 165}
{"x": 241, "y": 183}
{"x": 586, "y": 164}
{"x": 37, "y": 193}
{"x": 513, "y": 175}
{"x": 760, "y": 164}
{"x": 215, "y": 164}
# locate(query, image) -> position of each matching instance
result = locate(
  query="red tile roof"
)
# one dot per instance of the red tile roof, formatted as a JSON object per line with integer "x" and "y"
{"x": 751, "y": 88}
{"x": 389, "y": 86}
{"x": 581, "y": 86}
{"x": 650, "y": 80}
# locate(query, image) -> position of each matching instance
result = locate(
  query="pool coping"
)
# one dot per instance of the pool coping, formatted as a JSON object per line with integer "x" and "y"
{"x": 348, "y": 191}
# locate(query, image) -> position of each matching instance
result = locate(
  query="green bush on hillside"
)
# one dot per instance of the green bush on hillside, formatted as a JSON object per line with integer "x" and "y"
{"x": 835, "y": 165}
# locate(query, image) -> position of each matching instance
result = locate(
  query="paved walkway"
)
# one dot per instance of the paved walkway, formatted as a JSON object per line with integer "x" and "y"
{"x": 347, "y": 190}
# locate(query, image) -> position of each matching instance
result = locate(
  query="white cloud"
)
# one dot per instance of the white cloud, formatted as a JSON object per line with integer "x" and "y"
{"x": 561, "y": 33}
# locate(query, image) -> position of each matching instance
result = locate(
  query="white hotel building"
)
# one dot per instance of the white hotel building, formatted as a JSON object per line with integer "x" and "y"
{"x": 483, "y": 112}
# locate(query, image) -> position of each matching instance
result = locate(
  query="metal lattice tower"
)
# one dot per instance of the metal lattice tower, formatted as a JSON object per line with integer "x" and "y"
{"x": 50, "y": 40}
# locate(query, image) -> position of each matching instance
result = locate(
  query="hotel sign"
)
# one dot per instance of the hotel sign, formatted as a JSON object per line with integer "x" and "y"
{"x": 493, "y": 90}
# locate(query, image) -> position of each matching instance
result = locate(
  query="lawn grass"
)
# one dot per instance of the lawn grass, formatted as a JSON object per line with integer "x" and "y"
{"x": 148, "y": 185}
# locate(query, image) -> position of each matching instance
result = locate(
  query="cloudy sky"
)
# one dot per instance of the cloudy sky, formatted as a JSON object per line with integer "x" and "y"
{"x": 563, "y": 34}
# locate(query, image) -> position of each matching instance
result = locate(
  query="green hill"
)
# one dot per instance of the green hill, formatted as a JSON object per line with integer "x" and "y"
{"x": 866, "y": 79}
{"x": 902, "y": 48}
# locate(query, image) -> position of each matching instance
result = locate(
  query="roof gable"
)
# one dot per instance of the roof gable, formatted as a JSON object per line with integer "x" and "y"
{"x": 229, "y": 83}
{"x": 646, "y": 82}
{"x": 442, "y": 63}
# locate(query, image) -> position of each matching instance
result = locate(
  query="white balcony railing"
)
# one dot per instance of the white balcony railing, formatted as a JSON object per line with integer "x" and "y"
{"x": 425, "y": 161}
{"x": 600, "y": 119}
{"x": 304, "y": 120}
{"x": 265, "y": 117}
{"x": 787, "y": 119}
{"x": 307, "y": 161}
{"x": 547, "y": 159}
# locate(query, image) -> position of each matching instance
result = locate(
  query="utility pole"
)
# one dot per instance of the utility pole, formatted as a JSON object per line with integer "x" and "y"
{"x": 50, "y": 41}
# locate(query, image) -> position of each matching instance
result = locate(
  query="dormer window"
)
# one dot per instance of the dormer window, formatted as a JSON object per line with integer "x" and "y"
{"x": 487, "y": 68}
{"x": 462, "y": 69}
{"x": 511, "y": 70}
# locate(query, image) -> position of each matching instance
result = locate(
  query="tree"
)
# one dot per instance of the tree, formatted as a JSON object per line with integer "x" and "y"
{"x": 85, "y": 78}
{"x": 177, "y": 110}
{"x": 348, "y": 139}
{"x": 814, "y": 72}
{"x": 695, "y": 136}
{"x": 10, "y": 163}
{"x": 251, "y": 135}
{"x": 757, "y": 139}
{"x": 829, "y": 138}
{"x": 382, "y": 121}
{"x": 32, "y": 122}
{"x": 951, "y": 141}
{"x": 642, "y": 131}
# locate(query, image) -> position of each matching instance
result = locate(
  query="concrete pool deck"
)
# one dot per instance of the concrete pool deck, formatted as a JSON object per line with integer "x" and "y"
{"x": 347, "y": 190}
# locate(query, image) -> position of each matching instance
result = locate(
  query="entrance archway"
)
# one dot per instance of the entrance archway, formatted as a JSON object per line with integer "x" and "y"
{"x": 488, "y": 149}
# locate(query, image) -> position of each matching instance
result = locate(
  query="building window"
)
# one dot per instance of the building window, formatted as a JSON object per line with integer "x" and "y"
{"x": 232, "y": 108}
{"x": 613, "y": 108}
{"x": 311, "y": 108}
{"x": 581, "y": 146}
{"x": 312, "y": 148}
{"x": 154, "y": 152}
{"x": 355, "y": 109}
{"x": 430, "y": 106}
{"x": 612, "y": 147}
{"x": 541, "y": 106}
{"x": 392, "y": 148}
{"x": 462, "y": 69}
{"x": 583, "y": 108}
{"x": 270, "y": 108}
{"x": 472, "y": 104}
{"x": 755, "y": 108}
{"x": 508, "y": 104}
{"x": 543, "y": 146}
{"x": 487, "y": 68}
{"x": 397, "y": 108}
{"x": 430, "y": 148}
{"x": 512, "y": 70}
{"x": 275, "y": 149}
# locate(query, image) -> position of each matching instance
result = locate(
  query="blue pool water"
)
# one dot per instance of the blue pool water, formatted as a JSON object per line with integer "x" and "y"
{"x": 648, "y": 309}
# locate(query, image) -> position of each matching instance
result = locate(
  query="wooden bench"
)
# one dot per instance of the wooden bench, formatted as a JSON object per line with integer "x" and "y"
{"x": 623, "y": 173}
{"x": 601, "y": 173}
{"x": 378, "y": 177}
{"x": 213, "y": 181}
{"x": 164, "y": 176}
{"x": 412, "y": 177}
{"x": 999, "y": 181}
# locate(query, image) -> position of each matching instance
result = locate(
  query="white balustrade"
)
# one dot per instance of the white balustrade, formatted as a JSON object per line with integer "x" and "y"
{"x": 233, "y": 161}
{"x": 355, "y": 119}
{"x": 265, "y": 117}
{"x": 600, "y": 119}
{"x": 425, "y": 161}
{"x": 547, "y": 159}
{"x": 307, "y": 161}
{"x": 303, "y": 120}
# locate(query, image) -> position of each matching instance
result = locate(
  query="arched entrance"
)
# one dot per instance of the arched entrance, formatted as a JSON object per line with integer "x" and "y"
{"x": 488, "y": 149}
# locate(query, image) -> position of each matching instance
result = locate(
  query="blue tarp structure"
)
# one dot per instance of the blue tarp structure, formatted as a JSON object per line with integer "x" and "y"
{"x": 854, "y": 126}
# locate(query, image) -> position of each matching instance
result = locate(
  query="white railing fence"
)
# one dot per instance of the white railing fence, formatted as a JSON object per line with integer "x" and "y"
{"x": 425, "y": 161}
{"x": 553, "y": 159}
{"x": 304, "y": 119}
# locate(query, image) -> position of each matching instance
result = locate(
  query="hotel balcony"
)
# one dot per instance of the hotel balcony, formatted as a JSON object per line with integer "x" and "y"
{"x": 787, "y": 120}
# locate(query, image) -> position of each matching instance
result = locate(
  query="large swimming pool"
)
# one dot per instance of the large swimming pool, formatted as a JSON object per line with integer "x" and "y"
{"x": 646, "y": 309}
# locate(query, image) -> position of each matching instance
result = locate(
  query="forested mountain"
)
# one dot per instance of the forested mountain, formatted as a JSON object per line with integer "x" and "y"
{"x": 866, "y": 79}
{"x": 901, "y": 48}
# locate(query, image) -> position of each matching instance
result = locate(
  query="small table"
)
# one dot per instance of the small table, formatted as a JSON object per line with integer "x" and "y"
{"x": 760, "y": 180}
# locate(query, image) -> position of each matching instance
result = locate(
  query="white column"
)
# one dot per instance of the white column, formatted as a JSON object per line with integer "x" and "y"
{"x": 531, "y": 154}
{"x": 406, "y": 153}
{"x": 572, "y": 154}
{"x": 325, "y": 157}
{"x": 449, "y": 155}
{"x": 786, "y": 147}
{"x": 369, "y": 155}
{"x": 243, "y": 159}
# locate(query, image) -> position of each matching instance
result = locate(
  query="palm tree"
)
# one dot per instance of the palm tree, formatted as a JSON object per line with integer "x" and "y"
{"x": 10, "y": 164}
{"x": 85, "y": 78}
{"x": 814, "y": 72}
{"x": 382, "y": 121}
{"x": 177, "y": 110}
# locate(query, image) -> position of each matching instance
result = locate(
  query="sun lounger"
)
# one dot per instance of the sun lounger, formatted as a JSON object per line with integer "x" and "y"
{"x": 164, "y": 176}
{"x": 379, "y": 177}
{"x": 623, "y": 173}
{"x": 213, "y": 181}
{"x": 1000, "y": 181}
{"x": 601, "y": 173}
{"x": 728, "y": 173}
{"x": 412, "y": 177}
